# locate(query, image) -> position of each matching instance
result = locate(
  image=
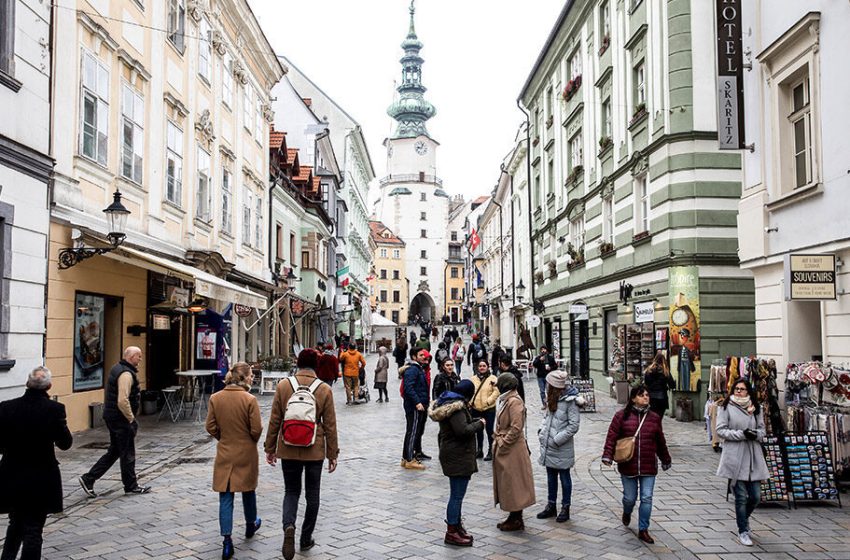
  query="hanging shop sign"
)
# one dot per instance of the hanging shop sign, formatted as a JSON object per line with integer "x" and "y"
{"x": 297, "y": 307}
{"x": 242, "y": 310}
{"x": 684, "y": 326}
{"x": 178, "y": 296}
{"x": 534, "y": 321}
{"x": 578, "y": 309}
{"x": 645, "y": 312}
{"x": 809, "y": 277}
{"x": 730, "y": 76}
{"x": 161, "y": 322}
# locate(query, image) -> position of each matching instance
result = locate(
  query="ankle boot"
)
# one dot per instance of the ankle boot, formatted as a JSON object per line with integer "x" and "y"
{"x": 227, "y": 548}
{"x": 454, "y": 537}
{"x": 548, "y": 511}
{"x": 462, "y": 530}
{"x": 564, "y": 515}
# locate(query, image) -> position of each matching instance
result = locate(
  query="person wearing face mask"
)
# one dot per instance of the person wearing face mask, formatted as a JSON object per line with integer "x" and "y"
{"x": 639, "y": 470}
{"x": 740, "y": 422}
{"x": 484, "y": 405}
{"x": 513, "y": 482}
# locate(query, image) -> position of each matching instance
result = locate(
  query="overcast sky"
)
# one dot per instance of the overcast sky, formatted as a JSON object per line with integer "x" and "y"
{"x": 477, "y": 56}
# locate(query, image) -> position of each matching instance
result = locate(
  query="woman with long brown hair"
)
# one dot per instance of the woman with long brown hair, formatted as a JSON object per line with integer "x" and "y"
{"x": 234, "y": 420}
{"x": 658, "y": 381}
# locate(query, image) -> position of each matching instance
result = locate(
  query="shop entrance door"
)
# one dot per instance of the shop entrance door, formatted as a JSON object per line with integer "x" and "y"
{"x": 579, "y": 349}
{"x": 163, "y": 354}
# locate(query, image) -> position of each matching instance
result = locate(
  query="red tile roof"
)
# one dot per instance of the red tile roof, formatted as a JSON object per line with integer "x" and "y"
{"x": 276, "y": 139}
{"x": 291, "y": 154}
{"x": 305, "y": 174}
{"x": 481, "y": 200}
{"x": 382, "y": 234}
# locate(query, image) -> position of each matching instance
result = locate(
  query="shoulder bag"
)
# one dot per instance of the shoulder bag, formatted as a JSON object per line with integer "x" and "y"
{"x": 625, "y": 448}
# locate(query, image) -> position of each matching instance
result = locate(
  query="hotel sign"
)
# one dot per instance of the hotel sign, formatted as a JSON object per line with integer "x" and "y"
{"x": 730, "y": 77}
{"x": 809, "y": 277}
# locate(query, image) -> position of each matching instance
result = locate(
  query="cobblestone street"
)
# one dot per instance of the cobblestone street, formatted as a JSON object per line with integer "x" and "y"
{"x": 371, "y": 508}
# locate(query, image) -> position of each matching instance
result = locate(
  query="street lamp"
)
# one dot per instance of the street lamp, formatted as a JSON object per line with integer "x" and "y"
{"x": 520, "y": 291}
{"x": 291, "y": 279}
{"x": 116, "y": 217}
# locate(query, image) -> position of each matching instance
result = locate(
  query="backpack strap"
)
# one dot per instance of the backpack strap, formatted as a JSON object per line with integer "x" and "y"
{"x": 315, "y": 385}
{"x": 311, "y": 387}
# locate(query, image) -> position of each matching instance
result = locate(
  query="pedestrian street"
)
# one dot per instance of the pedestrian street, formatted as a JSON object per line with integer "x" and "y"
{"x": 372, "y": 508}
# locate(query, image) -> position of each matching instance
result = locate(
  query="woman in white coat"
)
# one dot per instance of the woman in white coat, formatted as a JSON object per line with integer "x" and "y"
{"x": 740, "y": 422}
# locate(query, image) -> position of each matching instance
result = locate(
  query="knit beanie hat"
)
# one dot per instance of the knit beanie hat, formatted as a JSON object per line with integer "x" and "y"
{"x": 557, "y": 379}
{"x": 465, "y": 389}
{"x": 506, "y": 382}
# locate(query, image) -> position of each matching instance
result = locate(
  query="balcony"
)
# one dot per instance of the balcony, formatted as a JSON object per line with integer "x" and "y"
{"x": 411, "y": 178}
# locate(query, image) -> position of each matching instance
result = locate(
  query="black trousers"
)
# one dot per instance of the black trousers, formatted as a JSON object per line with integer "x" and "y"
{"x": 292, "y": 470}
{"x": 24, "y": 532}
{"x": 414, "y": 428}
{"x": 490, "y": 416}
{"x": 122, "y": 447}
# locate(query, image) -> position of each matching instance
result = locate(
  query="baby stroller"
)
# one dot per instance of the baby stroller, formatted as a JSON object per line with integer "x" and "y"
{"x": 363, "y": 395}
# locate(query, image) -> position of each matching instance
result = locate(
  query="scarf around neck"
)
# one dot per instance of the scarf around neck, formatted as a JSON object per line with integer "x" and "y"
{"x": 744, "y": 403}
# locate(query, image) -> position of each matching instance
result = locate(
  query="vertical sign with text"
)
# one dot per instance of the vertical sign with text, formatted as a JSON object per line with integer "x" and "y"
{"x": 730, "y": 77}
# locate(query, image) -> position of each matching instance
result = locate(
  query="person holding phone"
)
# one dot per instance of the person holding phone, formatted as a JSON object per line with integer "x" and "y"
{"x": 484, "y": 405}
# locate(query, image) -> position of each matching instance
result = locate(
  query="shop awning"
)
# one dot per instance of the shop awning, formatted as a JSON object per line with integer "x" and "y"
{"x": 206, "y": 284}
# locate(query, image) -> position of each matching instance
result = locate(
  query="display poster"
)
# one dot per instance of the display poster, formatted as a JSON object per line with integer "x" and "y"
{"x": 684, "y": 326}
{"x": 206, "y": 343}
{"x": 88, "y": 342}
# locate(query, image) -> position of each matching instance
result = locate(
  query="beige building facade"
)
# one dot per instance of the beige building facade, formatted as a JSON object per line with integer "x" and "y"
{"x": 389, "y": 285}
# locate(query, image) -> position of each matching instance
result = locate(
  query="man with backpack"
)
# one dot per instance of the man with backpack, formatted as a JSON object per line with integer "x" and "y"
{"x": 477, "y": 352}
{"x": 302, "y": 404}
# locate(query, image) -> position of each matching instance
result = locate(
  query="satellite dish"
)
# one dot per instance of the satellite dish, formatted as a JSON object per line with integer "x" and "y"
{"x": 534, "y": 321}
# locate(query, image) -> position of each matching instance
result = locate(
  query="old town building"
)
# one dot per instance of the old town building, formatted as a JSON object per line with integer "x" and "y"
{"x": 389, "y": 281}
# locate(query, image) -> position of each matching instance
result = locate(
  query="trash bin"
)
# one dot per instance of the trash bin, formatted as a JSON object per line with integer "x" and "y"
{"x": 96, "y": 414}
{"x": 149, "y": 399}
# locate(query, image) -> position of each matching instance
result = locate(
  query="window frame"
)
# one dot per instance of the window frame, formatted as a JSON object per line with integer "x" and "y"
{"x": 177, "y": 180}
{"x": 203, "y": 192}
{"x": 578, "y": 233}
{"x": 7, "y": 44}
{"x": 639, "y": 78}
{"x": 576, "y": 149}
{"x": 396, "y": 274}
{"x": 247, "y": 204}
{"x": 608, "y": 219}
{"x": 423, "y": 271}
{"x": 396, "y": 253}
{"x": 801, "y": 115}
{"x": 101, "y": 108}
{"x": 226, "y": 200}
{"x": 137, "y": 142}
{"x": 227, "y": 81}
{"x": 176, "y": 24}
{"x": 205, "y": 55}
{"x": 259, "y": 223}
{"x": 642, "y": 204}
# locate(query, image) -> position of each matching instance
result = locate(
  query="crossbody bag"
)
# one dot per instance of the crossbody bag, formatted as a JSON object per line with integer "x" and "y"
{"x": 625, "y": 448}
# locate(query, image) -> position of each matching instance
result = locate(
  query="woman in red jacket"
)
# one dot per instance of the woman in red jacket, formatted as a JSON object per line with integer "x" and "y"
{"x": 636, "y": 419}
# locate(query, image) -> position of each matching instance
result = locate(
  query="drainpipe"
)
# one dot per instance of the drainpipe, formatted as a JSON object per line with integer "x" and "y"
{"x": 529, "y": 183}
{"x": 272, "y": 254}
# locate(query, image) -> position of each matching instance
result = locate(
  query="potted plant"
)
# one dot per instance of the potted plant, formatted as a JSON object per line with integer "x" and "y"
{"x": 606, "y": 247}
{"x": 575, "y": 174}
{"x": 640, "y": 112}
{"x": 576, "y": 256}
{"x": 571, "y": 88}
{"x": 604, "y": 143}
{"x": 604, "y": 44}
{"x": 553, "y": 269}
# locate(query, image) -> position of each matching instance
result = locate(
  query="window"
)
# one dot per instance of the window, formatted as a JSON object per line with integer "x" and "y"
{"x": 423, "y": 233}
{"x": 550, "y": 176}
{"x": 383, "y": 274}
{"x": 800, "y": 119}
{"x": 577, "y": 234}
{"x": 547, "y": 103}
{"x": 395, "y": 317}
{"x": 177, "y": 23}
{"x": 383, "y": 296}
{"x": 576, "y": 156}
{"x": 538, "y": 124}
{"x": 454, "y": 236}
{"x": 423, "y": 271}
{"x": 292, "y": 249}
{"x": 305, "y": 259}
{"x": 258, "y": 223}
{"x": 204, "y": 192}
{"x": 423, "y": 254}
{"x": 279, "y": 237}
{"x": 246, "y": 107}
{"x": 383, "y": 253}
{"x": 227, "y": 204}
{"x": 605, "y": 19}
{"x": 396, "y": 254}
{"x": 247, "y": 203}
{"x": 642, "y": 205}
{"x": 383, "y": 313}
{"x": 423, "y": 216}
{"x": 227, "y": 81}
{"x": 608, "y": 219}
{"x": 205, "y": 50}
{"x": 454, "y": 272}
{"x": 455, "y": 293}
{"x": 396, "y": 275}
{"x": 640, "y": 85}
{"x": 454, "y": 252}
{"x": 258, "y": 117}
{"x": 132, "y": 133}
{"x": 7, "y": 37}
{"x": 575, "y": 65}
{"x": 174, "y": 164}
{"x": 606, "y": 118}
{"x": 95, "y": 126}
{"x": 423, "y": 197}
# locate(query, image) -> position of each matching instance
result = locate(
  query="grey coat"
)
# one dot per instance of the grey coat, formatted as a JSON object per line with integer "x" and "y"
{"x": 556, "y": 433}
{"x": 381, "y": 369}
{"x": 741, "y": 459}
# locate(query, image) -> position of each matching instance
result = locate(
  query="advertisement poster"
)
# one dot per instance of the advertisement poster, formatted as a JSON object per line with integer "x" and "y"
{"x": 684, "y": 327}
{"x": 88, "y": 343}
{"x": 205, "y": 348}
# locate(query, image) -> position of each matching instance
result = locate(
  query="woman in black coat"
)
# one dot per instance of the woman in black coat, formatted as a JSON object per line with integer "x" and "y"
{"x": 457, "y": 440}
{"x": 658, "y": 381}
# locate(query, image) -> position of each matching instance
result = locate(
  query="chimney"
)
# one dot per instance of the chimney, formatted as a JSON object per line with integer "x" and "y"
{"x": 308, "y": 101}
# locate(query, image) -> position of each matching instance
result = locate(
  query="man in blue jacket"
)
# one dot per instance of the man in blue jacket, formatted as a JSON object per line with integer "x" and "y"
{"x": 416, "y": 401}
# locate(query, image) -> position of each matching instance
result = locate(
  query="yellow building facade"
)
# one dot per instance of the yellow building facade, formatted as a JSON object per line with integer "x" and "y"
{"x": 389, "y": 285}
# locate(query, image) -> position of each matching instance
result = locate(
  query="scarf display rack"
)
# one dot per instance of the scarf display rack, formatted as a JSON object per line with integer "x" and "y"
{"x": 585, "y": 390}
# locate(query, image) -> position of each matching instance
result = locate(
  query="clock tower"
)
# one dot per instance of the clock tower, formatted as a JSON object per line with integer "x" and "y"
{"x": 412, "y": 202}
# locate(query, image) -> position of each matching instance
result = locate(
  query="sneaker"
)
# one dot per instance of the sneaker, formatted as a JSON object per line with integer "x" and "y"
{"x": 288, "y": 548}
{"x": 138, "y": 490}
{"x": 87, "y": 488}
{"x": 414, "y": 465}
{"x": 744, "y": 539}
{"x": 252, "y": 529}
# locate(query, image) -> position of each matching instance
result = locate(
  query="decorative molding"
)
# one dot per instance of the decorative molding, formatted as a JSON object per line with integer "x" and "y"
{"x": 175, "y": 104}
{"x": 249, "y": 173}
{"x": 239, "y": 72}
{"x": 196, "y": 9}
{"x": 218, "y": 42}
{"x": 606, "y": 187}
{"x": 136, "y": 67}
{"x": 639, "y": 163}
{"x": 808, "y": 24}
{"x": 575, "y": 209}
{"x": 227, "y": 152}
{"x": 25, "y": 160}
{"x": 636, "y": 37}
{"x": 204, "y": 126}
{"x": 268, "y": 113}
{"x": 100, "y": 33}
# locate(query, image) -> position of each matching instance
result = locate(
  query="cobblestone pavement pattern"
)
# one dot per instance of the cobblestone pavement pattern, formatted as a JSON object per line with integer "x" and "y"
{"x": 371, "y": 508}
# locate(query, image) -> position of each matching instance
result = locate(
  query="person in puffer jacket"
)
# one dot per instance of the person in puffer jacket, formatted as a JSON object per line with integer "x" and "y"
{"x": 457, "y": 452}
{"x": 641, "y": 469}
{"x": 416, "y": 400}
{"x": 557, "y": 452}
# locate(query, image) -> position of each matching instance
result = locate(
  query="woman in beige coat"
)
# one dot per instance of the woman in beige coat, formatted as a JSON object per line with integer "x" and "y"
{"x": 483, "y": 405}
{"x": 234, "y": 420}
{"x": 513, "y": 483}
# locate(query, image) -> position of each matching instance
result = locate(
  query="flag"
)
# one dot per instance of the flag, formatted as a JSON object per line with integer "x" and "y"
{"x": 474, "y": 240}
{"x": 342, "y": 276}
{"x": 479, "y": 280}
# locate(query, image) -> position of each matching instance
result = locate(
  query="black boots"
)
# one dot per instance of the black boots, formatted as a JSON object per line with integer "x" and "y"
{"x": 548, "y": 511}
{"x": 564, "y": 514}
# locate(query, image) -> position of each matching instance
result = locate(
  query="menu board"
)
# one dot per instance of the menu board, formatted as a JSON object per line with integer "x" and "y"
{"x": 810, "y": 467}
{"x": 775, "y": 488}
{"x": 585, "y": 389}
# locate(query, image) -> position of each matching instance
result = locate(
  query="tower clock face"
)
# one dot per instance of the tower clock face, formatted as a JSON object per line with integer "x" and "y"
{"x": 421, "y": 148}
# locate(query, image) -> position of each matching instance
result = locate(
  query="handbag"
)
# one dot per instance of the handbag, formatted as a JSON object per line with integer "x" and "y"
{"x": 625, "y": 447}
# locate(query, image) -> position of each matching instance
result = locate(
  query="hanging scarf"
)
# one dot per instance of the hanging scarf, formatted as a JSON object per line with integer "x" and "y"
{"x": 744, "y": 403}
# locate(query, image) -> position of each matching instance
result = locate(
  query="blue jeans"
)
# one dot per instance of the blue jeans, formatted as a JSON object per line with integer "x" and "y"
{"x": 225, "y": 510}
{"x": 552, "y": 476}
{"x": 747, "y": 497}
{"x": 458, "y": 366}
{"x": 457, "y": 490}
{"x": 630, "y": 494}
{"x": 541, "y": 384}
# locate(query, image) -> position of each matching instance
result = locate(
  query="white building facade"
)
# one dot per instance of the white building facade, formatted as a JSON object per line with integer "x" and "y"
{"x": 25, "y": 167}
{"x": 794, "y": 200}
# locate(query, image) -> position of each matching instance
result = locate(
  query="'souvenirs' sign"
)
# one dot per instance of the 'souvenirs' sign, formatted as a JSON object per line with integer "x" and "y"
{"x": 809, "y": 277}
{"x": 730, "y": 78}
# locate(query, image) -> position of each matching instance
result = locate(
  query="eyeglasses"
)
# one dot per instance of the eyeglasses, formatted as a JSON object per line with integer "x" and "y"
{"x": 741, "y": 389}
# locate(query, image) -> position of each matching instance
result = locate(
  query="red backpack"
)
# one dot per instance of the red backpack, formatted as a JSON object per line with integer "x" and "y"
{"x": 299, "y": 419}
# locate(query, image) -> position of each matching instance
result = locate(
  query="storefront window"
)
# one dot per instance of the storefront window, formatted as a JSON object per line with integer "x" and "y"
{"x": 97, "y": 339}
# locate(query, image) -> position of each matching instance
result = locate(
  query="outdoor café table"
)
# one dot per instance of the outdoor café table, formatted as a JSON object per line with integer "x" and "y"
{"x": 196, "y": 384}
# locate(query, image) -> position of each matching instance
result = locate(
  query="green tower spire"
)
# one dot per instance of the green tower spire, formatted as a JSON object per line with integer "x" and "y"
{"x": 411, "y": 110}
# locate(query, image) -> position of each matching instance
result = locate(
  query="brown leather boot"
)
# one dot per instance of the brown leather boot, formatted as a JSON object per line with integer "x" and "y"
{"x": 462, "y": 530}
{"x": 644, "y": 536}
{"x": 454, "y": 537}
{"x": 511, "y": 524}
